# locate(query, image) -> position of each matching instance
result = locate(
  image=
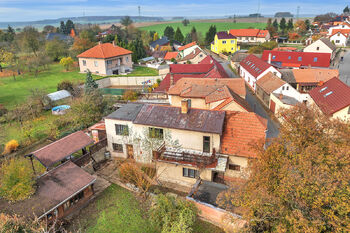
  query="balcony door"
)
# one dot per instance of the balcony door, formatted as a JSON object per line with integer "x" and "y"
{"x": 206, "y": 144}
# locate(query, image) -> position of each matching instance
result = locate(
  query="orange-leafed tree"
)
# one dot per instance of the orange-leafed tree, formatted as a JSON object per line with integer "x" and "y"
{"x": 82, "y": 44}
{"x": 300, "y": 183}
{"x": 300, "y": 26}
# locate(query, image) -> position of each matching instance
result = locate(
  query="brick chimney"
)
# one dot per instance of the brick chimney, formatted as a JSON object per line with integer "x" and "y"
{"x": 280, "y": 96}
{"x": 113, "y": 43}
{"x": 185, "y": 106}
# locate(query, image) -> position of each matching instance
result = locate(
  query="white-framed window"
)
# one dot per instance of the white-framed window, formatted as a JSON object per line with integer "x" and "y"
{"x": 121, "y": 129}
{"x": 84, "y": 62}
{"x": 337, "y": 41}
{"x": 318, "y": 48}
{"x": 287, "y": 88}
{"x": 232, "y": 41}
{"x": 96, "y": 63}
{"x": 191, "y": 173}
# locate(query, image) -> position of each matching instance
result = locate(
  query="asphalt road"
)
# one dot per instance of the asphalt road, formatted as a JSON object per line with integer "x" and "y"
{"x": 344, "y": 68}
{"x": 255, "y": 104}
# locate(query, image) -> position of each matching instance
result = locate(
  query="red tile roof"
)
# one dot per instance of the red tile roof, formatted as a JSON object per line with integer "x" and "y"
{"x": 270, "y": 82}
{"x": 190, "y": 68}
{"x": 60, "y": 149}
{"x": 106, "y": 50}
{"x": 241, "y": 131}
{"x": 314, "y": 75}
{"x": 254, "y": 65}
{"x": 307, "y": 59}
{"x": 245, "y": 32}
{"x": 207, "y": 68}
{"x": 332, "y": 96}
{"x": 237, "y": 85}
{"x": 170, "y": 55}
{"x": 187, "y": 46}
{"x": 345, "y": 32}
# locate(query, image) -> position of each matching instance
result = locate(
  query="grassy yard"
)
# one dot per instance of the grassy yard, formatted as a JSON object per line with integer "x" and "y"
{"x": 203, "y": 27}
{"x": 14, "y": 92}
{"x": 117, "y": 210}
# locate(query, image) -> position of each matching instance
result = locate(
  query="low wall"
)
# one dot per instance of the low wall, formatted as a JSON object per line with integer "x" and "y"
{"x": 223, "y": 56}
{"x": 127, "y": 81}
{"x": 222, "y": 218}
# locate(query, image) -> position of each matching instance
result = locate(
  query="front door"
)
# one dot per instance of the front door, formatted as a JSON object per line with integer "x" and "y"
{"x": 116, "y": 71}
{"x": 272, "y": 106}
{"x": 218, "y": 177}
{"x": 130, "y": 151}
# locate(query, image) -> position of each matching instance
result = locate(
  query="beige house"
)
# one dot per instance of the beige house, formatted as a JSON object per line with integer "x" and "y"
{"x": 195, "y": 57}
{"x": 215, "y": 94}
{"x": 333, "y": 99}
{"x": 323, "y": 45}
{"x": 105, "y": 59}
{"x": 184, "y": 143}
{"x": 279, "y": 102}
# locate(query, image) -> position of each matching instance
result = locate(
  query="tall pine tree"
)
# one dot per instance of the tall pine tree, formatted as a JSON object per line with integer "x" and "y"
{"x": 169, "y": 32}
{"x": 209, "y": 36}
{"x": 90, "y": 84}
{"x": 179, "y": 36}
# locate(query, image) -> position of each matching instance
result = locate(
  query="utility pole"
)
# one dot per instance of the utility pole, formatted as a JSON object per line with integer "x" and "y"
{"x": 139, "y": 11}
{"x": 257, "y": 13}
{"x": 298, "y": 10}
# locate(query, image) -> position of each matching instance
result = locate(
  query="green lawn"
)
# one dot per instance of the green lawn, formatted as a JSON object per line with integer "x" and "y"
{"x": 117, "y": 210}
{"x": 14, "y": 92}
{"x": 203, "y": 27}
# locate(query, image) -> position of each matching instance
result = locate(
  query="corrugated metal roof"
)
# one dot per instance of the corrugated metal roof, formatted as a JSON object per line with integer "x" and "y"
{"x": 126, "y": 113}
{"x": 59, "y": 95}
{"x": 199, "y": 120}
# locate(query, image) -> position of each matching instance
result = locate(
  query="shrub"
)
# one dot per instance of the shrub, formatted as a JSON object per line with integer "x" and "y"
{"x": 169, "y": 214}
{"x": 16, "y": 180}
{"x": 67, "y": 62}
{"x": 11, "y": 146}
{"x": 3, "y": 110}
{"x": 65, "y": 85}
{"x": 130, "y": 95}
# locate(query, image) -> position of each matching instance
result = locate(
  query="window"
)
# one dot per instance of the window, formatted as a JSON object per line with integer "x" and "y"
{"x": 232, "y": 41}
{"x": 287, "y": 88}
{"x": 84, "y": 62}
{"x": 117, "y": 147}
{"x": 127, "y": 59}
{"x": 224, "y": 41}
{"x": 192, "y": 173}
{"x": 289, "y": 57}
{"x": 121, "y": 130}
{"x": 206, "y": 144}
{"x": 299, "y": 58}
{"x": 315, "y": 59}
{"x": 109, "y": 62}
{"x": 318, "y": 48}
{"x": 156, "y": 133}
{"x": 283, "y": 88}
{"x": 234, "y": 167}
{"x": 337, "y": 41}
{"x": 273, "y": 57}
{"x": 96, "y": 63}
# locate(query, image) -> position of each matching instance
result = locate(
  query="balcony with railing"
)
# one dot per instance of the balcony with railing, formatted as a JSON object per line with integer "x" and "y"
{"x": 186, "y": 156}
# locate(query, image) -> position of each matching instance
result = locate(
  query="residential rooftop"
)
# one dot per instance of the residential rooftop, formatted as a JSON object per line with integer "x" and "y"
{"x": 53, "y": 189}
{"x": 332, "y": 96}
{"x": 104, "y": 51}
{"x": 128, "y": 112}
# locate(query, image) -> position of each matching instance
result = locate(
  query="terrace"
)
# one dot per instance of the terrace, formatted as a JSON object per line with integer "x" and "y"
{"x": 186, "y": 156}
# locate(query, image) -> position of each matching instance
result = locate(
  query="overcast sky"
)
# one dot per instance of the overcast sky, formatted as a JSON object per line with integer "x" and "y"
{"x": 25, "y": 10}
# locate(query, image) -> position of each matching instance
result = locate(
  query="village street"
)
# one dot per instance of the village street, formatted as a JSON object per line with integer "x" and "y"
{"x": 344, "y": 68}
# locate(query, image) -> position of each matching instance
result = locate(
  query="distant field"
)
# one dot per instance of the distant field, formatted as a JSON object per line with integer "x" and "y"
{"x": 202, "y": 27}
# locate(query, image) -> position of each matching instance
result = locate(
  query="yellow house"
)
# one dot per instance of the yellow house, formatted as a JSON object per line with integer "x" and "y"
{"x": 224, "y": 42}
